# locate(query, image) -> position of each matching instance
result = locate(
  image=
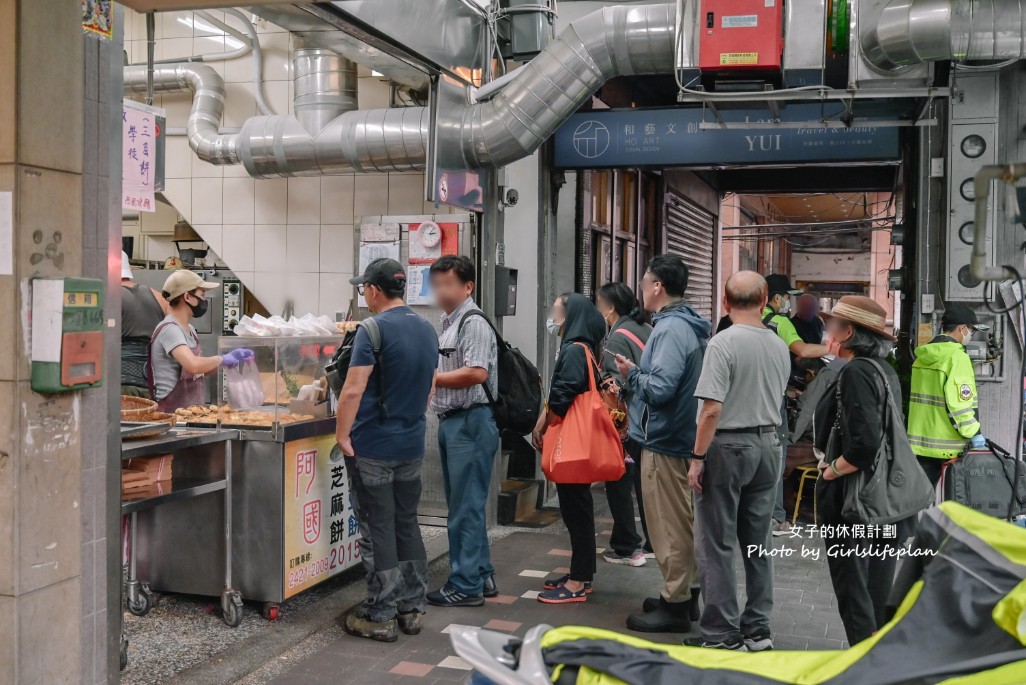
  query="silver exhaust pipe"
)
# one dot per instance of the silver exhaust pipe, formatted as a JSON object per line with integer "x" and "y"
{"x": 613, "y": 41}
{"x": 907, "y": 32}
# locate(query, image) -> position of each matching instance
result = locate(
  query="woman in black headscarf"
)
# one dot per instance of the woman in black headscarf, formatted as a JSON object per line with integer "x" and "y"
{"x": 578, "y": 322}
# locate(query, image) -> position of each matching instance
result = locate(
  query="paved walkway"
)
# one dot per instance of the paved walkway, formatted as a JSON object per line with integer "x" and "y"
{"x": 804, "y": 617}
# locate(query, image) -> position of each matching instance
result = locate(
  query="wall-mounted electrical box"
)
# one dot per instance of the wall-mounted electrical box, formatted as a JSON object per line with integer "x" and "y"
{"x": 232, "y": 293}
{"x": 972, "y": 144}
{"x": 67, "y": 334}
{"x": 740, "y": 35}
{"x": 505, "y": 291}
{"x": 530, "y": 27}
{"x": 985, "y": 349}
{"x": 805, "y": 43}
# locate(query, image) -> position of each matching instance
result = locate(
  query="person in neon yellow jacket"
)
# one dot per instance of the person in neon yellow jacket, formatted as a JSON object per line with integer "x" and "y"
{"x": 942, "y": 411}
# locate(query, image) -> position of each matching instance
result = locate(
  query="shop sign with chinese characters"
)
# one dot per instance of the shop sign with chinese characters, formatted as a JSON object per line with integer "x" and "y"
{"x": 140, "y": 131}
{"x": 688, "y": 137}
{"x": 322, "y": 534}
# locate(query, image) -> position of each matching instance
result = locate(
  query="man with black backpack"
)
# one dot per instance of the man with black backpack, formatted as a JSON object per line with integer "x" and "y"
{"x": 380, "y": 430}
{"x": 468, "y": 437}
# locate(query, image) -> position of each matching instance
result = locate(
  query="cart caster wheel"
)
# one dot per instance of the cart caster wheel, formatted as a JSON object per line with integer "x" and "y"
{"x": 123, "y": 657}
{"x": 231, "y": 610}
{"x": 143, "y": 605}
{"x": 270, "y": 611}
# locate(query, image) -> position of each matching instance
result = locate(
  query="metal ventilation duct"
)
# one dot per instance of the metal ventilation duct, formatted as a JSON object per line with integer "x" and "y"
{"x": 613, "y": 41}
{"x": 207, "y": 88}
{"x": 907, "y": 32}
{"x": 324, "y": 85}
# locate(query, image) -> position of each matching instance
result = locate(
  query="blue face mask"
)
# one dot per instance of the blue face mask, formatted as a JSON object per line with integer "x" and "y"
{"x": 552, "y": 326}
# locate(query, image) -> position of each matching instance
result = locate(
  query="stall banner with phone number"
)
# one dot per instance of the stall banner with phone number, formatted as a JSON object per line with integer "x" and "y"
{"x": 322, "y": 534}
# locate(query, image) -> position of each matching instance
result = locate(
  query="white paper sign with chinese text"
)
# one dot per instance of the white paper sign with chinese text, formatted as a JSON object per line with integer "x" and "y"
{"x": 138, "y": 156}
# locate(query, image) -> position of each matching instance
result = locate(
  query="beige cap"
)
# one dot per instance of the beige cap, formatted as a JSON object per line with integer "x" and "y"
{"x": 185, "y": 281}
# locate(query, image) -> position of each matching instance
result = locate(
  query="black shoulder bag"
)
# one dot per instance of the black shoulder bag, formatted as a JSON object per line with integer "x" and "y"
{"x": 896, "y": 487}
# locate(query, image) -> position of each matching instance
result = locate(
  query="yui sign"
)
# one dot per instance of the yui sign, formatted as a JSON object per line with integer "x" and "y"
{"x": 675, "y": 137}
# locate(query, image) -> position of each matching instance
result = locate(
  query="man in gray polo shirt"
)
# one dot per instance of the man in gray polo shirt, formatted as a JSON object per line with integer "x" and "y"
{"x": 735, "y": 467}
{"x": 468, "y": 438}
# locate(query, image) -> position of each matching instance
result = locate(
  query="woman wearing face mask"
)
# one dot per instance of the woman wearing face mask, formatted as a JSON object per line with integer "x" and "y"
{"x": 628, "y": 334}
{"x": 852, "y": 424}
{"x": 177, "y": 367}
{"x": 580, "y": 322}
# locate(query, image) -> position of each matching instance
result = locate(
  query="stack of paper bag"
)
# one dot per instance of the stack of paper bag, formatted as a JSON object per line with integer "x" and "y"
{"x": 157, "y": 468}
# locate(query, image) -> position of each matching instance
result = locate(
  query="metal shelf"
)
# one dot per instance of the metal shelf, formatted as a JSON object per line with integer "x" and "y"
{"x": 183, "y": 488}
{"x": 176, "y": 440}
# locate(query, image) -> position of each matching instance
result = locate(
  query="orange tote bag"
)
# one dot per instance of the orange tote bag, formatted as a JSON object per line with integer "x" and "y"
{"x": 585, "y": 446}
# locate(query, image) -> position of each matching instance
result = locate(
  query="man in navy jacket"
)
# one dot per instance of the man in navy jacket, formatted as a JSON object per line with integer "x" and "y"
{"x": 663, "y": 414}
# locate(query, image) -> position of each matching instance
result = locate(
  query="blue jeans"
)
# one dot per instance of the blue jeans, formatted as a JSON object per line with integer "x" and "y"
{"x": 385, "y": 499}
{"x": 468, "y": 442}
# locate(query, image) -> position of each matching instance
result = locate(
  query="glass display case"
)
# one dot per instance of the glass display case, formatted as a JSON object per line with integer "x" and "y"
{"x": 276, "y": 382}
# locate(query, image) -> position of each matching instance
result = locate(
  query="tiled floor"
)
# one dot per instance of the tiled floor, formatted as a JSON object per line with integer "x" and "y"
{"x": 804, "y": 616}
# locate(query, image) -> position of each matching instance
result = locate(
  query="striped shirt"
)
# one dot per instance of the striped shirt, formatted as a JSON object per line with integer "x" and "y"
{"x": 475, "y": 347}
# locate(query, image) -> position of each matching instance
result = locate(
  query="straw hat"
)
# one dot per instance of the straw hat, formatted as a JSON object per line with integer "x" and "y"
{"x": 863, "y": 312}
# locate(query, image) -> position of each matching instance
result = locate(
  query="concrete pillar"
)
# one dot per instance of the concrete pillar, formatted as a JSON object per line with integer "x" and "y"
{"x": 42, "y": 449}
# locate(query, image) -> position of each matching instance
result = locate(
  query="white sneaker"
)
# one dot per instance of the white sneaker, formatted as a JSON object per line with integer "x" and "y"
{"x": 780, "y": 528}
{"x": 636, "y": 559}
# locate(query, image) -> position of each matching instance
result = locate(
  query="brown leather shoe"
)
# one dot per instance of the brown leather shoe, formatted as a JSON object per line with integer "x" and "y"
{"x": 361, "y": 626}
{"x": 411, "y": 622}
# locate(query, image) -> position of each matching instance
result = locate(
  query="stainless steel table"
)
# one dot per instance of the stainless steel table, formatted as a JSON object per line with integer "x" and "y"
{"x": 184, "y": 443}
{"x": 293, "y": 524}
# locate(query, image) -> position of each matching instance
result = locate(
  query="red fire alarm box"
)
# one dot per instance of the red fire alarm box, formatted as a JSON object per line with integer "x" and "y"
{"x": 741, "y": 35}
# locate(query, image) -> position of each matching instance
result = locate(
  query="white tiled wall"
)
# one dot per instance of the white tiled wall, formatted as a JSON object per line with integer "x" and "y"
{"x": 285, "y": 238}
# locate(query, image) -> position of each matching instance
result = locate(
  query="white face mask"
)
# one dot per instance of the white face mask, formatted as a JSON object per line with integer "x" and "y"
{"x": 552, "y": 326}
{"x": 967, "y": 337}
{"x": 785, "y": 308}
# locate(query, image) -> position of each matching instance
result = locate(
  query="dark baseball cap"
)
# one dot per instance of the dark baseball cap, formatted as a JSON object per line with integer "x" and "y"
{"x": 779, "y": 284}
{"x": 961, "y": 315}
{"x": 383, "y": 272}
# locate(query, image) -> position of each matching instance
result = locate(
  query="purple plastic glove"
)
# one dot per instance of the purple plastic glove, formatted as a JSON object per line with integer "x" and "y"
{"x": 236, "y": 357}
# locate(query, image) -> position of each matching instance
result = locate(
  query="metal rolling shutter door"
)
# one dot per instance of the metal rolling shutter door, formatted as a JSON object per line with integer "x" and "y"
{"x": 691, "y": 233}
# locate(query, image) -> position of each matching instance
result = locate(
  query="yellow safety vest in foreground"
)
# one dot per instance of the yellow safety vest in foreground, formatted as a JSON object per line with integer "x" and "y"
{"x": 943, "y": 402}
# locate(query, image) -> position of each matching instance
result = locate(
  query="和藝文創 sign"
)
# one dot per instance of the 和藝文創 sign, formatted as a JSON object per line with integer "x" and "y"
{"x": 675, "y": 137}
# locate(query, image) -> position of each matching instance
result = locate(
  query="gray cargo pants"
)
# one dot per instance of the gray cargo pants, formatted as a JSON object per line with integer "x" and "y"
{"x": 385, "y": 499}
{"x": 738, "y": 488}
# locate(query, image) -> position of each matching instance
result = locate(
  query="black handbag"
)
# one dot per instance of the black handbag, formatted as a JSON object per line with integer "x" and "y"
{"x": 989, "y": 480}
{"x": 896, "y": 487}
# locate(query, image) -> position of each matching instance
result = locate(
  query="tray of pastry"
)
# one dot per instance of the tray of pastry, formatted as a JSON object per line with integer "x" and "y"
{"x": 229, "y": 417}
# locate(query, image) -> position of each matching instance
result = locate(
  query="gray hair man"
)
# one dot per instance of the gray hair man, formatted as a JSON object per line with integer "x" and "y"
{"x": 735, "y": 466}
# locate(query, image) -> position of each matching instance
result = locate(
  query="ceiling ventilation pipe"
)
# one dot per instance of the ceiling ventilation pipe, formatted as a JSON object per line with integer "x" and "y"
{"x": 630, "y": 40}
{"x": 324, "y": 85}
{"x": 207, "y": 88}
{"x": 907, "y": 32}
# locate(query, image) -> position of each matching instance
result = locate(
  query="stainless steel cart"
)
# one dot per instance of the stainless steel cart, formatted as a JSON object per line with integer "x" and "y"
{"x": 195, "y": 475}
{"x": 294, "y": 524}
